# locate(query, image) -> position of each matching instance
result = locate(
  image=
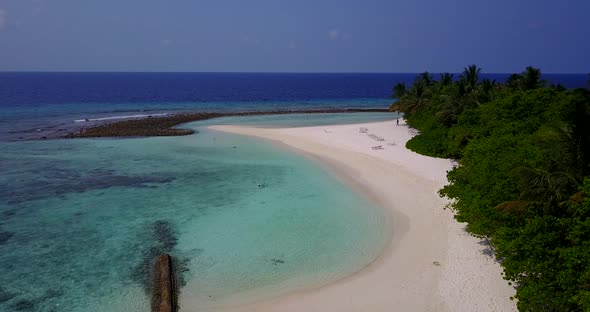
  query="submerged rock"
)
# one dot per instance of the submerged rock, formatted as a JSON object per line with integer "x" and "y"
{"x": 24, "y": 305}
{"x": 164, "y": 234}
{"x": 163, "y": 240}
{"x": 5, "y": 236}
{"x": 52, "y": 293}
{"x": 9, "y": 213}
{"x": 5, "y": 295}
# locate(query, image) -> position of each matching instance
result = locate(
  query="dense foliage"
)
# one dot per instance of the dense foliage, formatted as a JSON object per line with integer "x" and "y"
{"x": 523, "y": 180}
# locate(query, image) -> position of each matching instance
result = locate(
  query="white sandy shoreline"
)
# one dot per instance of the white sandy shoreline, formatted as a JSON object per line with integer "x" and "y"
{"x": 431, "y": 263}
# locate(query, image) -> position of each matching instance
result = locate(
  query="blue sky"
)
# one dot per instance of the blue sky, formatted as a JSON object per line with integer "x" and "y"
{"x": 294, "y": 35}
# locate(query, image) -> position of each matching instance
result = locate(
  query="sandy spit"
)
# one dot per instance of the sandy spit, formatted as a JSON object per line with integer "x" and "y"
{"x": 431, "y": 264}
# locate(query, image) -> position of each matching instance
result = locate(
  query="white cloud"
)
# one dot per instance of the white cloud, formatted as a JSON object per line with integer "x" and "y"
{"x": 334, "y": 34}
{"x": 38, "y": 6}
{"x": 337, "y": 34}
{"x": 249, "y": 40}
{"x": 3, "y": 19}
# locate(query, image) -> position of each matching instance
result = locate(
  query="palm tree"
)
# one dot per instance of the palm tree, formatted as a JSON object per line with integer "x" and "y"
{"x": 399, "y": 90}
{"x": 513, "y": 81}
{"x": 461, "y": 88}
{"x": 418, "y": 89}
{"x": 543, "y": 191}
{"x": 414, "y": 99}
{"x": 446, "y": 79}
{"x": 557, "y": 190}
{"x": 471, "y": 76}
{"x": 487, "y": 87}
{"x": 426, "y": 78}
{"x": 559, "y": 87}
{"x": 531, "y": 78}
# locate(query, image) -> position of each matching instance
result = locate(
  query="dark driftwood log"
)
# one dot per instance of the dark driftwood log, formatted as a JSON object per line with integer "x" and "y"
{"x": 164, "y": 286}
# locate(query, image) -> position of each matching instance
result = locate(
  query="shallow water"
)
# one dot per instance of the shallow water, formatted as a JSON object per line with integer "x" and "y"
{"x": 298, "y": 120}
{"x": 82, "y": 219}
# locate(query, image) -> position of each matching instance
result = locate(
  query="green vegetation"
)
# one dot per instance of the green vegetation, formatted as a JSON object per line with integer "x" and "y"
{"x": 523, "y": 180}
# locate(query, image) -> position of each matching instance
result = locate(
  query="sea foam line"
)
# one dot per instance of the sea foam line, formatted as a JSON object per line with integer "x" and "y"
{"x": 119, "y": 117}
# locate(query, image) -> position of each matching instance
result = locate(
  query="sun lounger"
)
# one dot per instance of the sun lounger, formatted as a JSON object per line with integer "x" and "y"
{"x": 376, "y": 138}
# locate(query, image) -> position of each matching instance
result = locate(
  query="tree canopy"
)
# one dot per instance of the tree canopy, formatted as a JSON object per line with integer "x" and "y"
{"x": 523, "y": 179}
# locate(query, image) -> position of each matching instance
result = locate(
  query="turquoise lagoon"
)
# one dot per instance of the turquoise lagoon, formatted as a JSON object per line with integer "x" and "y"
{"x": 80, "y": 220}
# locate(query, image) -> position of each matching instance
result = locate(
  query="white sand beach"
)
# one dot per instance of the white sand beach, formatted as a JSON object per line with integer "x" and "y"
{"x": 431, "y": 264}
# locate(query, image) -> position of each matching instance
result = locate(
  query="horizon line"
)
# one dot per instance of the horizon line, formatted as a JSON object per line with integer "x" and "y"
{"x": 266, "y": 72}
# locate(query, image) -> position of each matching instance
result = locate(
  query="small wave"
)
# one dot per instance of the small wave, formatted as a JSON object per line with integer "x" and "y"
{"x": 143, "y": 110}
{"x": 119, "y": 117}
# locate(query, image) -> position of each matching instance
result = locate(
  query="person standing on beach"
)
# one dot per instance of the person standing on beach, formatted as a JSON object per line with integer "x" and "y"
{"x": 397, "y": 121}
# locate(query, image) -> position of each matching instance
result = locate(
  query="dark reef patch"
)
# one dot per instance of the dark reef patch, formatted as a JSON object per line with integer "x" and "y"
{"x": 24, "y": 305}
{"x": 277, "y": 261}
{"x": 164, "y": 235}
{"x": 5, "y": 295}
{"x": 59, "y": 182}
{"x": 164, "y": 239}
{"x": 34, "y": 304}
{"x": 8, "y": 213}
{"x": 5, "y": 236}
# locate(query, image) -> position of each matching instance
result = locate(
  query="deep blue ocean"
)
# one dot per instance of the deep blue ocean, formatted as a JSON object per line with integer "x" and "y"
{"x": 38, "y": 102}
{"x": 25, "y": 89}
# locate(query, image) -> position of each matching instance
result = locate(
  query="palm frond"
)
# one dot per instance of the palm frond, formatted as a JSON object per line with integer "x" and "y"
{"x": 514, "y": 206}
{"x": 399, "y": 90}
